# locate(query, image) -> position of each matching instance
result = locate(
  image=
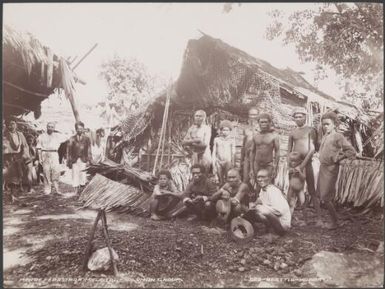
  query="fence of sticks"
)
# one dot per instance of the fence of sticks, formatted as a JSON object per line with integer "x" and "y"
{"x": 360, "y": 184}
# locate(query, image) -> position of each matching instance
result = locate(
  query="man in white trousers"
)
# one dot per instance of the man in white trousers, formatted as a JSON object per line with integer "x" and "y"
{"x": 78, "y": 156}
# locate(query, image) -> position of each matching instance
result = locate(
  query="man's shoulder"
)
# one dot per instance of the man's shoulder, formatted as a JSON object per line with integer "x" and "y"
{"x": 244, "y": 186}
{"x": 274, "y": 188}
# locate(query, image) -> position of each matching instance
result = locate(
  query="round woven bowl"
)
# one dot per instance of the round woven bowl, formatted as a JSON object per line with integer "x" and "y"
{"x": 241, "y": 230}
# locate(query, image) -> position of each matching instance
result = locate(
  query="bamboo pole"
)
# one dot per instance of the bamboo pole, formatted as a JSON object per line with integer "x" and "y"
{"x": 88, "y": 248}
{"x": 85, "y": 55}
{"x": 104, "y": 224}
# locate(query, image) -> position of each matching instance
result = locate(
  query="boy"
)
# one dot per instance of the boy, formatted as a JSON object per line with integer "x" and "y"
{"x": 223, "y": 152}
{"x": 249, "y": 132}
{"x": 31, "y": 163}
{"x": 303, "y": 140}
{"x": 296, "y": 181}
{"x": 334, "y": 147}
{"x": 165, "y": 196}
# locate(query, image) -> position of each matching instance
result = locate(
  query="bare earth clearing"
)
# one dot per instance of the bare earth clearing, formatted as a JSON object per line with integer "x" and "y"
{"x": 45, "y": 237}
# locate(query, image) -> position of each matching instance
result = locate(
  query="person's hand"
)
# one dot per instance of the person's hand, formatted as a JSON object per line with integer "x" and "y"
{"x": 36, "y": 163}
{"x": 234, "y": 201}
{"x": 187, "y": 200}
{"x": 225, "y": 195}
{"x": 258, "y": 202}
{"x": 252, "y": 206}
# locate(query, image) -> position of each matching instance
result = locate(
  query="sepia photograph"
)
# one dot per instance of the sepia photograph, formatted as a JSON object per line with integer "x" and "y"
{"x": 193, "y": 145}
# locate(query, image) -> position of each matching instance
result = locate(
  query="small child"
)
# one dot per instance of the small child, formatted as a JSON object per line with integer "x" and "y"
{"x": 223, "y": 151}
{"x": 165, "y": 197}
{"x": 296, "y": 181}
{"x": 334, "y": 147}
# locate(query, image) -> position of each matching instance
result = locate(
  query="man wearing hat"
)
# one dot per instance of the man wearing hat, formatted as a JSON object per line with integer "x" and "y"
{"x": 233, "y": 198}
{"x": 303, "y": 140}
{"x": 271, "y": 207}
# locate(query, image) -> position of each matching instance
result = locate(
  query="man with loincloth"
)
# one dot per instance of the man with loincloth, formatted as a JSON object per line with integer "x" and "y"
{"x": 303, "y": 140}
{"x": 197, "y": 140}
{"x": 265, "y": 148}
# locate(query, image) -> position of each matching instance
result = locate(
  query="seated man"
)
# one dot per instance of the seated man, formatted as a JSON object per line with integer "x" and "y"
{"x": 165, "y": 197}
{"x": 196, "y": 196}
{"x": 271, "y": 207}
{"x": 236, "y": 192}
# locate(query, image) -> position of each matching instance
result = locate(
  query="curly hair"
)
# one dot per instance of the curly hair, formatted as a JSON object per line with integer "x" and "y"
{"x": 199, "y": 166}
{"x": 332, "y": 116}
{"x": 266, "y": 116}
{"x": 165, "y": 173}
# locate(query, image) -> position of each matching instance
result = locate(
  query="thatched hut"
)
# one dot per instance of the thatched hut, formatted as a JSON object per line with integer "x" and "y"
{"x": 31, "y": 72}
{"x": 226, "y": 82}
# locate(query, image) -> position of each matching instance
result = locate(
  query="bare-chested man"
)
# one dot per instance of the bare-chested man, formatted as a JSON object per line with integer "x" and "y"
{"x": 265, "y": 148}
{"x": 197, "y": 140}
{"x": 303, "y": 140}
{"x": 249, "y": 132}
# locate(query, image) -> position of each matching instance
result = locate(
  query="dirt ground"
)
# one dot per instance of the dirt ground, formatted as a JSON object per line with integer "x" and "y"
{"x": 45, "y": 238}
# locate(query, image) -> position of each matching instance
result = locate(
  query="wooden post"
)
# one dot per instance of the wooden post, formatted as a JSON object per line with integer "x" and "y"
{"x": 73, "y": 106}
{"x": 104, "y": 225}
{"x": 88, "y": 248}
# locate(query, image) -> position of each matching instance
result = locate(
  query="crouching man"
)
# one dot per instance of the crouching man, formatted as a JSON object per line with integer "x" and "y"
{"x": 271, "y": 207}
{"x": 196, "y": 197}
{"x": 233, "y": 198}
{"x": 164, "y": 198}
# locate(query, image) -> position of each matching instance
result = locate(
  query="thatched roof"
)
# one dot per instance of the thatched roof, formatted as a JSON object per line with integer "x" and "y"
{"x": 216, "y": 76}
{"x": 215, "y": 73}
{"x": 31, "y": 72}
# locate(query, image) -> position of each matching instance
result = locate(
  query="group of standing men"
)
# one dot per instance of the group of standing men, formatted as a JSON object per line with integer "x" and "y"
{"x": 250, "y": 191}
{"x": 23, "y": 156}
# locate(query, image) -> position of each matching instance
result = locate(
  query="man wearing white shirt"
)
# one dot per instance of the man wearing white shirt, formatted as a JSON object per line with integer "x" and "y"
{"x": 47, "y": 145}
{"x": 271, "y": 207}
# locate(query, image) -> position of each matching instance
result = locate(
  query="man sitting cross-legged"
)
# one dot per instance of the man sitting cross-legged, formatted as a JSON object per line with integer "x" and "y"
{"x": 271, "y": 207}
